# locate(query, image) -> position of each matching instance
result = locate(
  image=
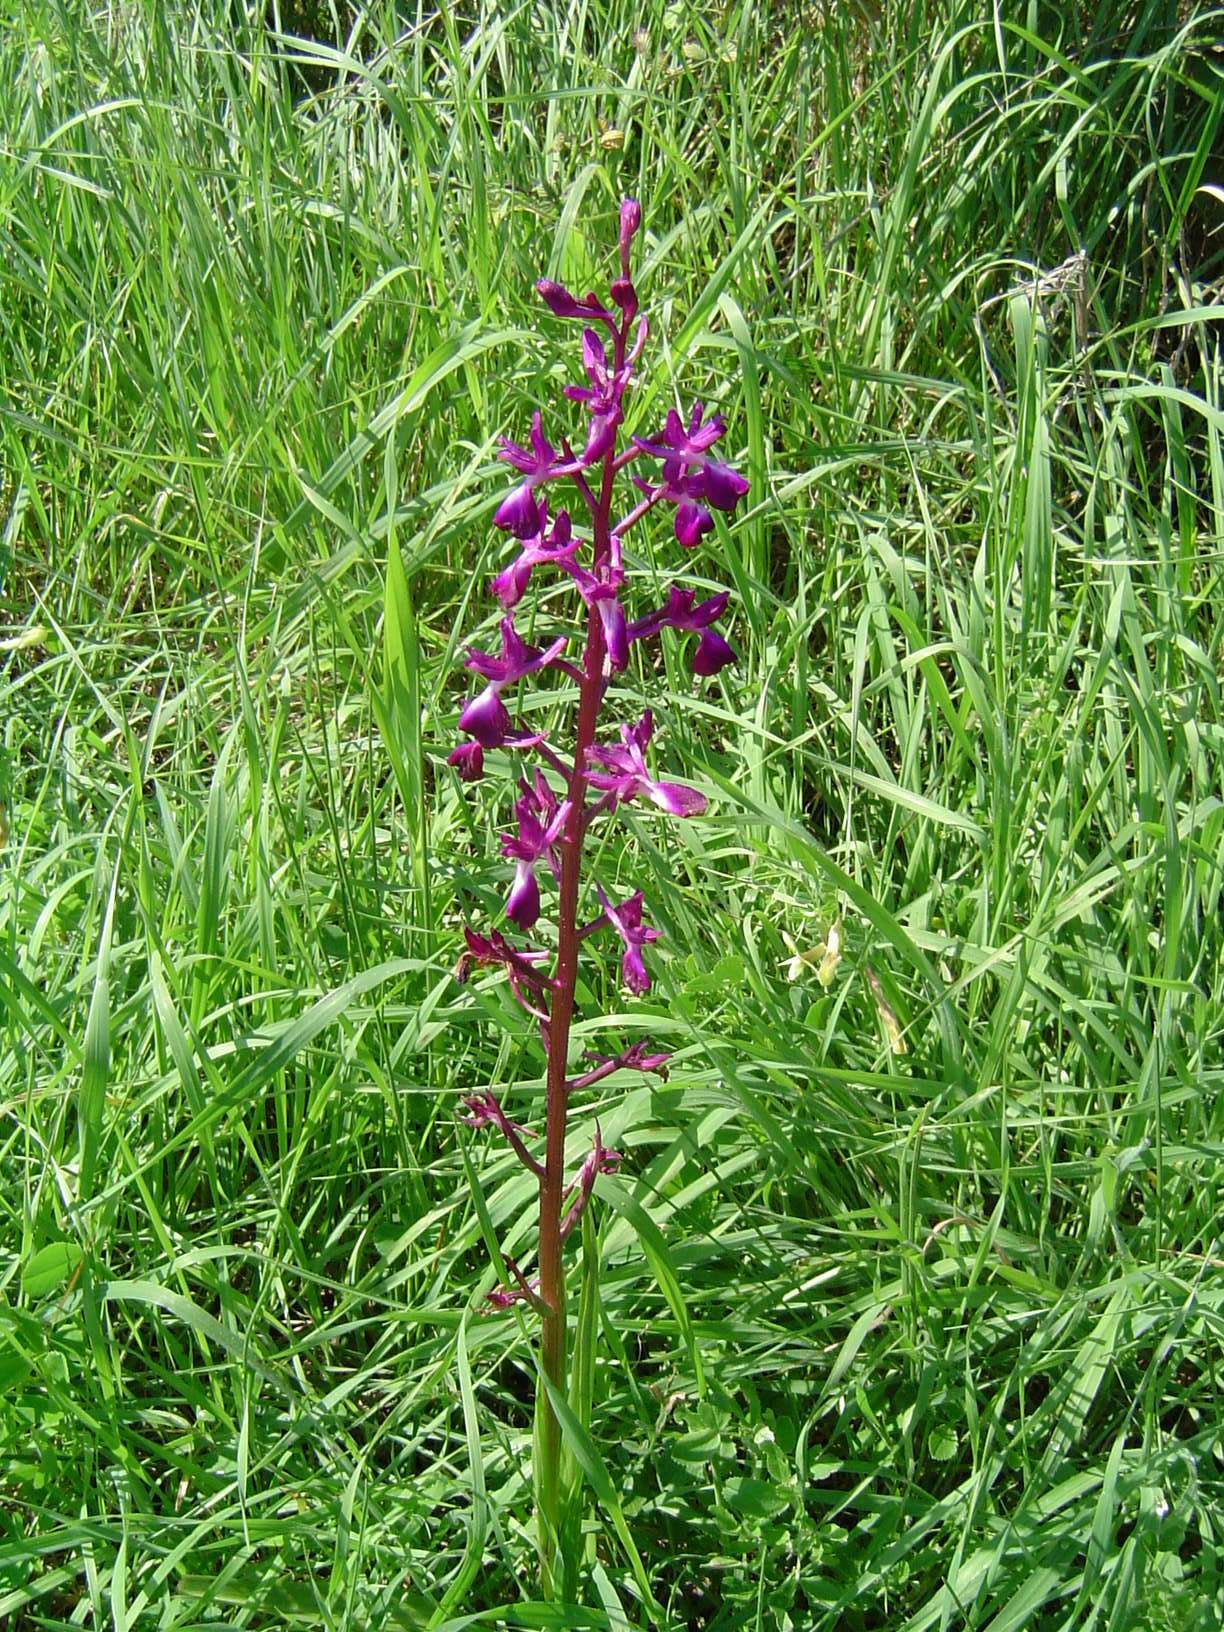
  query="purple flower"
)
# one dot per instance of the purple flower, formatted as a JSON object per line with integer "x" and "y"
{"x": 484, "y": 1111}
{"x": 712, "y": 652}
{"x": 633, "y": 1058}
{"x": 541, "y": 821}
{"x": 562, "y": 304}
{"x": 678, "y": 447}
{"x": 555, "y": 549}
{"x": 626, "y": 920}
{"x": 493, "y": 951}
{"x": 484, "y": 716}
{"x": 519, "y": 513}
{"x": 602, "y": 398}
{"x": 691, "y": 479}
{"x": 600, "y": 1160}
{"x": 625, "y": 774}
{"x": 502, "y": 1297}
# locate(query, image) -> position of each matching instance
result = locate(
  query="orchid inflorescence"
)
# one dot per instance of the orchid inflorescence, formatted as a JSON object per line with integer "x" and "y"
{"x": 551, "y": 821}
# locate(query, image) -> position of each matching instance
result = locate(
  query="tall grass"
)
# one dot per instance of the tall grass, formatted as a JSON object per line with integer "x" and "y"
{"x": 911, "y": 1293}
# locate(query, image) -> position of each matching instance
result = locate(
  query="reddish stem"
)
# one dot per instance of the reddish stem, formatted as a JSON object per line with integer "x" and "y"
{"x": 551, "y": 1235}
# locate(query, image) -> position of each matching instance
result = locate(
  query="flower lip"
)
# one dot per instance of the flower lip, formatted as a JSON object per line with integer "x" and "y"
{"x": 519, "y": 513}
{"x": 523, "y": 902}
{"x": 693, "y": 522}
{"x": 468, "y": 761}
{"x": 712, "y": 654}
{"x": 485, "y": 718}
{"x": 721, "y": 486}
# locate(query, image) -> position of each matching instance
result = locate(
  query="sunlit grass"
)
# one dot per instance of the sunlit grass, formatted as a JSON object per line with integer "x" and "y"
{"x": 926, "y": 1335}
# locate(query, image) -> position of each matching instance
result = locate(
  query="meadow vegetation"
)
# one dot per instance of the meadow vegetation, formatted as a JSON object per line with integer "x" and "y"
{"x": 911, "y": 1292}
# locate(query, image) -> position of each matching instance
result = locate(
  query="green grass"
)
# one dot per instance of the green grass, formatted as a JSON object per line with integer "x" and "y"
{"x": 920, "y": 1340}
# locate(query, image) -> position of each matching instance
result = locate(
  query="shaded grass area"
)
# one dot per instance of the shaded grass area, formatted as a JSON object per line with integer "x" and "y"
{"x": 926, "y": 1331}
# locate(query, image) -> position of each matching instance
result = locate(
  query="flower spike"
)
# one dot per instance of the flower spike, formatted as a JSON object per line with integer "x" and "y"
{"x": 552, "y": 813}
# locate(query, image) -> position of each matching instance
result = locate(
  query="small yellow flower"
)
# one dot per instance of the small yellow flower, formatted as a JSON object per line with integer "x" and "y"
{"x": 832, "y": 955}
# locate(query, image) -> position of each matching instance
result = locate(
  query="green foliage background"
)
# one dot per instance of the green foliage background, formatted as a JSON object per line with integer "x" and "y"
{"x": 917, "y": 1341}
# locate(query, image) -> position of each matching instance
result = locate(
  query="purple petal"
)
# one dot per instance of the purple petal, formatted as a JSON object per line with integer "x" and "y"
{"x": 468, "y": 761}
{"x": 645, "y": 628}
{"x": 616, "y": 632}
{"x": 712, "y": 653}
{"x": 484, "y": 717}
{"x": 641, "y": 733}
{"x": 519, "y": 513}
{"x": 594, "y": 358}
{"x": 545, "y": 453}
{"x": 602, "y": 437}
{"x": 511, "y": 583}
{"x": 676, "y": 799}
{"x": 693, "y": 521}
{"x": 518, "y": 657}
{"x": 523, "y": 905}
{"x": 706, "y": 611}
{"x": 722, "y": 486}
{"x": 633, "y": 971}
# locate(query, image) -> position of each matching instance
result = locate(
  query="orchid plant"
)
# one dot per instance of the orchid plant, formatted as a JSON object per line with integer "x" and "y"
{"x": 590, "y": 776}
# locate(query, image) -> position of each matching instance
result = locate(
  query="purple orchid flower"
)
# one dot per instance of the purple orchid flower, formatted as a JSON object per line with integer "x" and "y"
{"x": 602, "y": 594}
{"x": 691, "y": 479}
{"x": 712, "y": 652}
{"x": 485, "y": 1111}
{"x": 625, "y": 775}
{"x": 637, "y": 1057}
{"x": 541, "y": 822}
{"x": 562, "y": 304}
{"x": 494, "y": 950}
{"x": 626, "y": 920}
{"x": 484, "y": 716}
{"x": 520, "y": 512}
{"x": 505, "y": 1297}
{"x": 600, "y": 1160}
